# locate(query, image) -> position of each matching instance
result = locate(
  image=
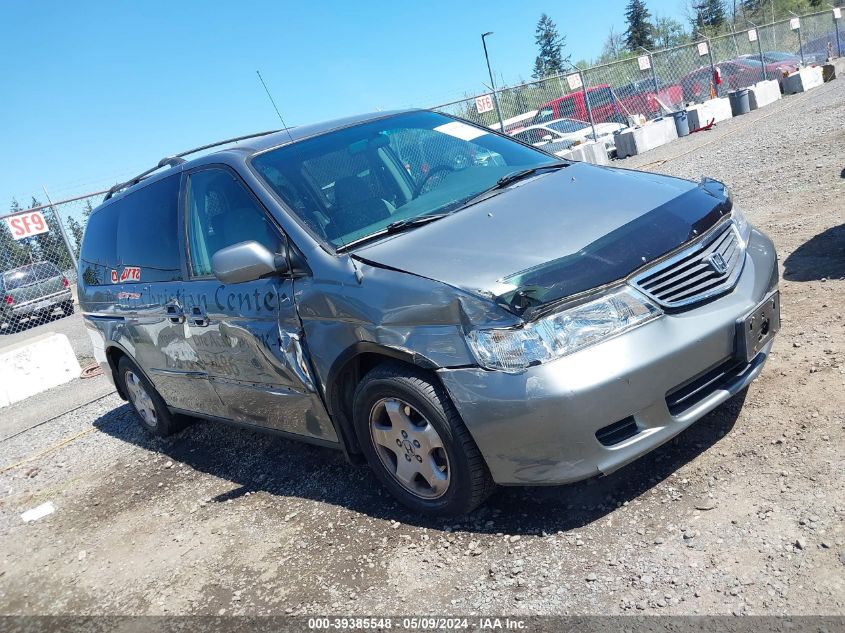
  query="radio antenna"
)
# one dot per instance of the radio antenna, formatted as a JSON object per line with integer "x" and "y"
{"x": 272, "y": 101}
{"x": 359, "y": 277}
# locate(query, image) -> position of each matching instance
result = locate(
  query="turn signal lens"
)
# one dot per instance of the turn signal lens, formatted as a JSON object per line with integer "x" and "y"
{"x": 9, "y": 300}
{"x": 65, "y": 282}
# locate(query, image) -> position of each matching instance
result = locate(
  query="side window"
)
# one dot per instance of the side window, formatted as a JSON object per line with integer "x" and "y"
{"x": 546, "y": 114}
{"x": 98, "y": 256}
{"x": 567, "y": 107}
{"x": 221, "y": 212}
{"x": 148, "y": 233}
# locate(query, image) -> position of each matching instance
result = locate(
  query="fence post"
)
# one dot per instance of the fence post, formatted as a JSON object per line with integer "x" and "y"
{"x": 654, "y": 79}
{"x": 800, "y": 39}
{"x": 587, "y": 101}
{"x": 65, "y": 238}
{"x": 836, "y": 30}
{"x": 759, "y": 49}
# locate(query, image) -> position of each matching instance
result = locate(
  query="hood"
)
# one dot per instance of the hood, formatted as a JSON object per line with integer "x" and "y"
{"x": 557, "y": 234}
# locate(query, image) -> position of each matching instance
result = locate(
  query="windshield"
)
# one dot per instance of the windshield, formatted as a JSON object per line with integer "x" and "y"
{"x": 353, "y": 182}
{"x": 28, "y": 275}
{"x": 567, "y": 125}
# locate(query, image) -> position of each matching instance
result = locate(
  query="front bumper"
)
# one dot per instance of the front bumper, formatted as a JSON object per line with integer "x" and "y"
{"x": 540, "y": 426}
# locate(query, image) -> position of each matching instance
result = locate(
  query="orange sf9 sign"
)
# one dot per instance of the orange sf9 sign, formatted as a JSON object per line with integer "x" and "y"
{"x": 27, "y": 224}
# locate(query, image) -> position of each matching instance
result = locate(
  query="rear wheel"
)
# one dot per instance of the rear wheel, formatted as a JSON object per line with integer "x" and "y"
{"x": 148, "y": 405}
{"x": 417, "y": 444}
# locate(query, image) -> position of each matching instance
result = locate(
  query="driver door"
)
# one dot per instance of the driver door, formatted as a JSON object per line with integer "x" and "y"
{"x": 247, "y": 336}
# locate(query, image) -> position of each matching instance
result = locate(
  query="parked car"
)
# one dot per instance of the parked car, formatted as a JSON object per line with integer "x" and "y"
{"x": 31, "y": 291}
{"x": 735, "y": 74}
{"x": 774, "y": 69}
{"x": 817, "y": 50}
{"x": 604, "y": 106}
{"x": 608, "y": 104}
{"x": 520, "y": 321}
{"x": 638, "y": 97}
{"x": 559, "y": 136}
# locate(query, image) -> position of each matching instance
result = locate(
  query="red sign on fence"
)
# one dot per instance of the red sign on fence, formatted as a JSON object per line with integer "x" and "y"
{"x": 27, "y": 224}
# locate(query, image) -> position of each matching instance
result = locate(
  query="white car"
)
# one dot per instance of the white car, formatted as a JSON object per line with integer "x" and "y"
{"x": 559, "y": 135}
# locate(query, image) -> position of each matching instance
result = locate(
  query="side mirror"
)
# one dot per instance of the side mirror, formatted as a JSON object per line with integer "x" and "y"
{"x": 246, "y": 261}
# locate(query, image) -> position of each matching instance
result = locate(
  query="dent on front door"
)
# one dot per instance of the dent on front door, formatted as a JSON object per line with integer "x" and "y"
{"x": 251, "y": 341}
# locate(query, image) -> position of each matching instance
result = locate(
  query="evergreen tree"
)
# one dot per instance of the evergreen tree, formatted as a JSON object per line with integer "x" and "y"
{"x": 640, "y": 30}
{"x": 13, "y": 253}
{"x": 710, "y": 15}
{"x": 51, "y": 245}
{"x": 550, "y": 60}
{"x": 76, "y": 232}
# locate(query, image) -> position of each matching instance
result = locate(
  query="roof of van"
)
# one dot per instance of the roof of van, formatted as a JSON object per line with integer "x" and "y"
{"x": 248, "y": 144}
{"x": 304, "y": 131}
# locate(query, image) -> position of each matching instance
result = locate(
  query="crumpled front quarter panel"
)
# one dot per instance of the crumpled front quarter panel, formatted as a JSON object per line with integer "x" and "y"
{"x": 423, "y": 318}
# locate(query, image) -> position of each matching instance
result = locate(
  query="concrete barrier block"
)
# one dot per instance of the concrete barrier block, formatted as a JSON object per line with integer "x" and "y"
{"x": 594, "y": 152}
{"x": 34, "y": 366}
{"x": 833, "y": 69}
{"x": 763, "y": 93}
{"x": 716, "y": 110}
{"x": 803, "y": 80}
{"x": 642, "y": 139}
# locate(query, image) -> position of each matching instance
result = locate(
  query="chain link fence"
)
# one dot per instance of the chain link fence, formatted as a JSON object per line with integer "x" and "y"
{"x": 39, "y": 250}
{"x": 654, "y": 83}
{"x": 39, "y": 246}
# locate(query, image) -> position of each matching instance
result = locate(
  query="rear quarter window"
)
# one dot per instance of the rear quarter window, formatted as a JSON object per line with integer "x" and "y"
{"x": 148, "y": 232}
{"x": 98, "y": 256}
{"x": 134, "y": 239}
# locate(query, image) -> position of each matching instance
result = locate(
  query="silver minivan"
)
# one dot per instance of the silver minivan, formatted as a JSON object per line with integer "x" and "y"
{"x": 452, "y": 306}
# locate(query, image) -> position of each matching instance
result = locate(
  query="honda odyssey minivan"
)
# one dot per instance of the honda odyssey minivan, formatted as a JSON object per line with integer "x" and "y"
{"x": 454, "y": 307}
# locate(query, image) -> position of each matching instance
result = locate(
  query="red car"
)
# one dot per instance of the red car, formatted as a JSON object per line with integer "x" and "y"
{"x": 608, "y": 104}
{"x": 638, "y": 97}
{"x": 735, "y": 74}
{"x": 572, "y": 106}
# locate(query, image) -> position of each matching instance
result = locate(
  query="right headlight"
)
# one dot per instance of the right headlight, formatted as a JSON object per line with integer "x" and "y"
{"x": 562, "y": 332}
{"x": 742, "y": 225}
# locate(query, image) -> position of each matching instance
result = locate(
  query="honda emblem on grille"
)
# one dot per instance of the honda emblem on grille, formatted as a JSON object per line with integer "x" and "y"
{"x": 718, "y": 263}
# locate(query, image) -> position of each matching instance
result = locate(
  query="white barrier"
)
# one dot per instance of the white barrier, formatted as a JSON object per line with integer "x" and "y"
{"x": 763, "y": 93}
{"x": 714, "y": 110}
{"x": 803, "y": 80}
{"x": 642, "y": 139}
{"x": 594, "y": 152}
{"x": 34, "y": 366}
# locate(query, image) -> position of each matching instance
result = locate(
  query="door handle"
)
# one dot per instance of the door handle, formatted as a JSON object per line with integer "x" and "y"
{"x": 198, "y": 317}
{"x": 175, "y": 313}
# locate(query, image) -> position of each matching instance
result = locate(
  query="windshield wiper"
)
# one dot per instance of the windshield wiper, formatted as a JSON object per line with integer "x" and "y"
{"x": 394, "y": 227}
{"x": 509, "y": 179}
{"x": 409, "y": 223}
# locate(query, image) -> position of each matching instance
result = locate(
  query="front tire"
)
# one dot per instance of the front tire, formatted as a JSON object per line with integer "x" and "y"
{"x": 417, "y": 444}
{"x": 149, "y": 407}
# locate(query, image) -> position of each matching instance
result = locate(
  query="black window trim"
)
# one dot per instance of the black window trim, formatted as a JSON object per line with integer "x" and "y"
{"x": 183, "y": 211}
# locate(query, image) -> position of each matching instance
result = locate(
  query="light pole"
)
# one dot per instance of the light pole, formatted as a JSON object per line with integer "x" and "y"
{"x": 492, "y": 85}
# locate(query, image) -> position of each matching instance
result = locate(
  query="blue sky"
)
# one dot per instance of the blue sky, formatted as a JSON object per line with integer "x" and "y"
{"x": 93, "y": 92}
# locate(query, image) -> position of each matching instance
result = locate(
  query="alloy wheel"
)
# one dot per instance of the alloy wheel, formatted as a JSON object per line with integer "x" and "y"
{"x": 410, "y": 448}
{"x": 140, "y": 399}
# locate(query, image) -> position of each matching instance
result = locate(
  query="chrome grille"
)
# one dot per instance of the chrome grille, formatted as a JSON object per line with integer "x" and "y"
{"x": 708, "y": 268}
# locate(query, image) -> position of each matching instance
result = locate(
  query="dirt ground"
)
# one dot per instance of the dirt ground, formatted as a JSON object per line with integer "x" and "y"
{"x": 741, "y": 514}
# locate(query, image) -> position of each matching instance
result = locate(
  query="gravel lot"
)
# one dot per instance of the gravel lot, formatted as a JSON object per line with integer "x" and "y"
{"x": 741, "y": 514}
